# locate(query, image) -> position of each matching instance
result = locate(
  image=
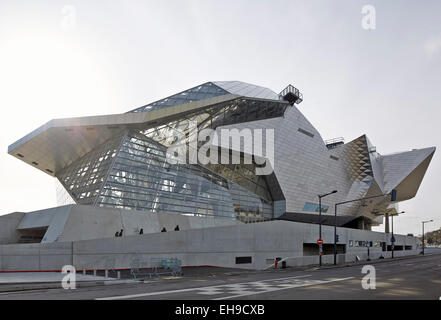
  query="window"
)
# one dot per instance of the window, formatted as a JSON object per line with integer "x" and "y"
{"x": 243, "y": 260}
{"x": 362, "y": 243}
{"x": 314, "y": 207}
{"x": 309, "y": 134}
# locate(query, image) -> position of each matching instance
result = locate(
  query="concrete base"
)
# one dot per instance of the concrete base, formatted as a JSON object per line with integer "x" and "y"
{"x": 257, "y": 244}
{"x": 83, "y": 222}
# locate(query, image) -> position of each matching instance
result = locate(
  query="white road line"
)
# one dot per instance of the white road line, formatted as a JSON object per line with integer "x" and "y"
{"x": 131, "y": 296}
{"x": 279, "y": 289}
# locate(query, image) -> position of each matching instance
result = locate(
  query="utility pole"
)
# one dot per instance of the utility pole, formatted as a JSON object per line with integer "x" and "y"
{"x": 320, "y": 240}
{"x": 423, "y": 222}
{"x": 392, "y": 239}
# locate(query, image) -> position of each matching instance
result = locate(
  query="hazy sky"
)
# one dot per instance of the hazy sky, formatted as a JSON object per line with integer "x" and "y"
{"x": 64, "y": 59}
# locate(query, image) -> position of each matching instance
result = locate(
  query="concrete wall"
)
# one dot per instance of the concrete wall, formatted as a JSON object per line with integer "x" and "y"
{"x": 217, "y": 246}
{"x": 54, "y": 219}
{"x": 88, "y": 222}
{"x": 8, "y": 227}
{"x": 82, "y": 222}
{"x": 35, "y": 256}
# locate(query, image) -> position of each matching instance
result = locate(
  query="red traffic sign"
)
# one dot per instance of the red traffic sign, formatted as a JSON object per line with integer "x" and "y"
{"x": 319, "y": 241}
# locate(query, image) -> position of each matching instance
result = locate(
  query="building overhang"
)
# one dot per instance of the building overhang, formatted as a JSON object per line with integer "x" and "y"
{"x": 60, "y": 142}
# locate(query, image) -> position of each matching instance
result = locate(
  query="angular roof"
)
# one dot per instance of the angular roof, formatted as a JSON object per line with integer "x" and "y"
{"x": 201, "y": 92}
{"x": 59, "y": 142}
{"x": 247, "y": 90}
{"x": 374, "y": 174}
{"x": 209, "y": 90}
{"x": 402, "y": 168}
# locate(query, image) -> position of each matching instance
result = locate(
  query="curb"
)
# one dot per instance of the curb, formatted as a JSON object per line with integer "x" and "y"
{"x": 373, "y": 261}
{"x": 15, "y": 287}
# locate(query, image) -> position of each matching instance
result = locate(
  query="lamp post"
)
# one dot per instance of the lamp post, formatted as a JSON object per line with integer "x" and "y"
{"x": 423, "y": 222}
{"x": 392, "y": 239}
{"x": 320, "y": 196}
{"x": 393, "y": 194}
{"x": 335, "y": 234}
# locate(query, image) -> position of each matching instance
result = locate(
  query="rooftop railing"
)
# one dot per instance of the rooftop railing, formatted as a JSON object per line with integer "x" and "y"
{"x": 334, "y": 143}
{"x": 291, "y": 94}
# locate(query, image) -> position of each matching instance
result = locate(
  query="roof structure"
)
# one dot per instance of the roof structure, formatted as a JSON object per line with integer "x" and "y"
{"x": 60, "y": 142}
{"x": 210, "y": 90}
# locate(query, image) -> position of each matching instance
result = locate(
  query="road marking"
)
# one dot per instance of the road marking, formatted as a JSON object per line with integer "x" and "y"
{"x": 306, "y": 284}
{"x": 131, "y": 296}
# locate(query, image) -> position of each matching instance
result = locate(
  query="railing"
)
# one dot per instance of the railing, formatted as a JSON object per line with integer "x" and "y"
{"x": 157, "y": 267}
{"x": 333, "y": 143}
{"x": 290, "y": 89}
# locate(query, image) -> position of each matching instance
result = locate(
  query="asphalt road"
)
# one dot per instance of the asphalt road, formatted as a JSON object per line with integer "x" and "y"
{"x": 407, "y": 278}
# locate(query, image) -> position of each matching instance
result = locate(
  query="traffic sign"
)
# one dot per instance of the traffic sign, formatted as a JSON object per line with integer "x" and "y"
{"x": 319, "y": 241}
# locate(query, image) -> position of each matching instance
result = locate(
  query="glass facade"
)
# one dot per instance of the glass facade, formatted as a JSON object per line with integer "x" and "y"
{"x": 84, "y": 178}
{"x": 210, "y": 90}
{"x": 131, "y": 171}
{"x": 243, "y": 175}
{"x": 248, "y": 205}
{"x": 204, "y": 91}
{"x": 222, "y": 114}
{"x": 141, "y": 178}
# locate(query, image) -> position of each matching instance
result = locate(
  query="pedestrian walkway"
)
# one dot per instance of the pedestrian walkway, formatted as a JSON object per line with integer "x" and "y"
{"x": 42, "y": 277}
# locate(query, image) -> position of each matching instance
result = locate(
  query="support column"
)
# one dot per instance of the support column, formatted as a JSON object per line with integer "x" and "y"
{"x": 386, "y": 223}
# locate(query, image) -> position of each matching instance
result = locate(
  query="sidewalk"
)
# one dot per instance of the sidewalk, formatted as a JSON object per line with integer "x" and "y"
{"x": 373, "y": 261}
{"x": 19, "y": 281}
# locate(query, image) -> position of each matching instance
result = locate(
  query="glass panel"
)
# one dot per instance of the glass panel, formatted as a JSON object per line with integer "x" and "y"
{"x": 83, "y": 178}
{"x": 204, "y": 91}
{"x": 142, "y": 179}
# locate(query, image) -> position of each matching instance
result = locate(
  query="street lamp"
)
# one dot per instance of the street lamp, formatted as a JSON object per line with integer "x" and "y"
{"x": 320, "y": 220}
{"x": 392, "y": 239}
{"x": 423, "y": 222}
